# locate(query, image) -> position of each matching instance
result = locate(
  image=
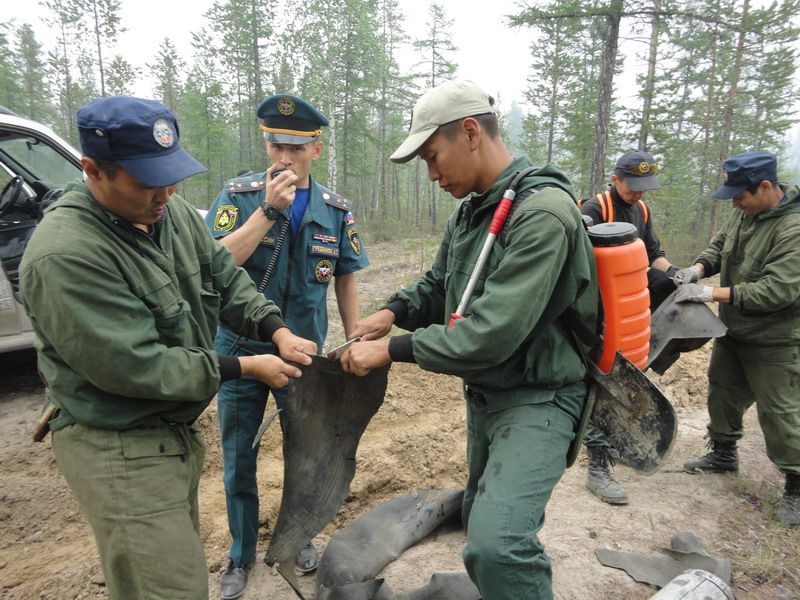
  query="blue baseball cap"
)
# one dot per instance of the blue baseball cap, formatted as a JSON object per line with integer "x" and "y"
{"x": 639, "y": 170}
{"x": 291, "y": 120}
{"x": 140, "y": 135}
{"x": 746, "y": 170}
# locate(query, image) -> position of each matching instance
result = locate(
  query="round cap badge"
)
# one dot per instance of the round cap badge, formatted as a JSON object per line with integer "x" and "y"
{"x": 286, "y": 106}
{"x": 162, "y": 132}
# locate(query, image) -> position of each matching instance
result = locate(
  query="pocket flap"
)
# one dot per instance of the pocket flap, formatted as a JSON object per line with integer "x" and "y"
{"x": 141, "y": 443}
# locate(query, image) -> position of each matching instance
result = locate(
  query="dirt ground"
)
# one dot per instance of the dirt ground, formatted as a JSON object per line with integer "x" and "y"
{"x": 416, "y": 441}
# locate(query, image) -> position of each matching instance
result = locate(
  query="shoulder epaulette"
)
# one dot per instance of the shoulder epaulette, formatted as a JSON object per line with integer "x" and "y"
{"x": 335, "y": 200}
{"x": 239, "y": 185}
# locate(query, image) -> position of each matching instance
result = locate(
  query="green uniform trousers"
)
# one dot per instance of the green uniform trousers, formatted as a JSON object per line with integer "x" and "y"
{"x": 138, "y": 490}
{"x": 516, "y": 456}
{"x": 740, "y": 374}
{"x": 592, "y": 436}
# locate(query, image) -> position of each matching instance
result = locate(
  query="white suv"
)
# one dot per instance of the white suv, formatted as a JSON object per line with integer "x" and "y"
{"x": 35, "y": 165}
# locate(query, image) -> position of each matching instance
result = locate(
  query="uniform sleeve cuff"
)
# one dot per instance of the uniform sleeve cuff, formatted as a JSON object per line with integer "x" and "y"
{"x": 399, "y": 308}
{"x": 229, "y": 367}
{"x": 268, "y": 327}
{"x": 400, "y": 348}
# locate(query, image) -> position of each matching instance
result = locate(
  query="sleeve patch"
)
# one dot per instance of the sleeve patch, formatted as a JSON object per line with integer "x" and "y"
{"x": 355, "y": 241}
{"x": 225, "y": 217}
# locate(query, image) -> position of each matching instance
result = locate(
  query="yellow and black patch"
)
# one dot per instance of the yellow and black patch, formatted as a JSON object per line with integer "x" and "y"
{"x": 323, "y": 271}
{"x": 355, "y": 241}
{"x": 225, "y": 218}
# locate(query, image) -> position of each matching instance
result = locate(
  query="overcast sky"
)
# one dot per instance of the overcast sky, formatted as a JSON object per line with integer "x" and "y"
{"x": 489, "y": 52}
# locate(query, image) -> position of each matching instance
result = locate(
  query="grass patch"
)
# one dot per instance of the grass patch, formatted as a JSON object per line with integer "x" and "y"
{"x": 765, "y": 552}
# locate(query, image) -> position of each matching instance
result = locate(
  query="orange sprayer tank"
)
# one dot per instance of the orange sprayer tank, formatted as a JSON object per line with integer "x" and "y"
{"x": 622, "y": 272}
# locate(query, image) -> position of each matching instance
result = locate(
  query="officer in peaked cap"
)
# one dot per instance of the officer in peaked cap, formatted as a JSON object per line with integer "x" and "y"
{"x": 281, "y": 214}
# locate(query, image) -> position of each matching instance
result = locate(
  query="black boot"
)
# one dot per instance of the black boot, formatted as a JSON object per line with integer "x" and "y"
{"x": 722, "y": 458}
{"x": 599, "y": 479}
{"x": 789, "y": 508}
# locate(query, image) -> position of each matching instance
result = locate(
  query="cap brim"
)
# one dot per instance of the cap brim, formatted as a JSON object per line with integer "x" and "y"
{"x": 642, "y": 183}
{"x": 725, "y": 192}
{"x": 411, "y": 146}
{"x": 287, "y": 138}
{"x": 164, "y": 169}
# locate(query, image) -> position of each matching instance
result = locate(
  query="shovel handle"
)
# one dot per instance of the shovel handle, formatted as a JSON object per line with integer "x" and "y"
{"x": 501, "y": 212}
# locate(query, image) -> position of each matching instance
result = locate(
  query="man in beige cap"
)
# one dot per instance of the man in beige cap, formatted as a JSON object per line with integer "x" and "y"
{"x": 522, "y": 370}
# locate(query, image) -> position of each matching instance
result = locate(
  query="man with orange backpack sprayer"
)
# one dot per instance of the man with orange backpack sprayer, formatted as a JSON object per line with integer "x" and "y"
{"x": 634, "y": 175}
{"x": 524, "y": 379}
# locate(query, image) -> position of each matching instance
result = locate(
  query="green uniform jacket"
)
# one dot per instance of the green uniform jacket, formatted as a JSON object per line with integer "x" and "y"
{"x": 510, "y": 337}
{"x": 759, "y": 257}
{"x": 125, "y": 327}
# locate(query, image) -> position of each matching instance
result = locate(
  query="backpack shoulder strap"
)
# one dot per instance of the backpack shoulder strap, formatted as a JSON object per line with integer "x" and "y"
{"x": 606, "y": 206}
{"x": 518, "y": 199}
{"x": 645, "y": 211}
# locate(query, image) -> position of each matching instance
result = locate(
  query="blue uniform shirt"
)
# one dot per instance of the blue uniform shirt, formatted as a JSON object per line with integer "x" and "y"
{"x": 326, "y": 245}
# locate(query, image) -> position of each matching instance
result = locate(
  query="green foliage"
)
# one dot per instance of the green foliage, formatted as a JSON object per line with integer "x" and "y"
{"x": 718, "y": 80}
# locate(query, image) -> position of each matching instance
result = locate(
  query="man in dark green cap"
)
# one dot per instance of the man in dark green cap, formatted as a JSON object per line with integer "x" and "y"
{"x": 757, "y": 256}
{"x": 283, "y": 216}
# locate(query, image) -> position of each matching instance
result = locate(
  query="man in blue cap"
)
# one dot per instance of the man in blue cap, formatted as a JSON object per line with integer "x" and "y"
{"x": 757, "y": 256}
{"x": 124, "y": 288}
{"x": 634, "y": 175}
{"x": 292, "y": 236}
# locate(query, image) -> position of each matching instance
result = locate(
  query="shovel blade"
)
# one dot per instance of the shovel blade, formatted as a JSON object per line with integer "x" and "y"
{"x": 635, "y": 416}
{"x": 677, "y": 327}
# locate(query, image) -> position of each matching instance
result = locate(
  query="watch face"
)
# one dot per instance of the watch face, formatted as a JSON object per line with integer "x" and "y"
{"x": 272, "y": 212}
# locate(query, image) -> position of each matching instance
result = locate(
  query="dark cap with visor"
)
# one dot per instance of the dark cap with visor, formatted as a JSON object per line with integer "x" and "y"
{"x": 287, "y": 119}
{"x": 746, "y": 170}
{"x": 140, "y": 135}
{"x": 638, "y": 168}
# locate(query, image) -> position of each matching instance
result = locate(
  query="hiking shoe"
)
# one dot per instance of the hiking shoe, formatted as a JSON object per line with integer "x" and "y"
{"x": 722, "y": 458}
{"x": 234, "y": 580}
{"x": 789, "y": 507}
{"x": 599, "y": 479}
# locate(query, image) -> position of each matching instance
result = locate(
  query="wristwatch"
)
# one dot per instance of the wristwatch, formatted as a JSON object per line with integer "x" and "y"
{"x": 270, "y": 211}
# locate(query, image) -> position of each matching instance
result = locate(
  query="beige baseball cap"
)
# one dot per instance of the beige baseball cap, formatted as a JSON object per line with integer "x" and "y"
{"x": 447, "y": 102}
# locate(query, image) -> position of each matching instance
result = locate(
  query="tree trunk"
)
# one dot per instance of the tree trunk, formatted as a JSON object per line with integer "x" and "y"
{"x": 727, "y": 128}
{"x": 606, "y": 93}
{"x": 647, "y": 91}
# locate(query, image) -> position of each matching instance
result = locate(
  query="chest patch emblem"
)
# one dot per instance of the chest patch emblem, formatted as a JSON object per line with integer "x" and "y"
{"x": 225, "y": 218}
{"x": 324, "y": 271}
{"x": 355, "y": 241}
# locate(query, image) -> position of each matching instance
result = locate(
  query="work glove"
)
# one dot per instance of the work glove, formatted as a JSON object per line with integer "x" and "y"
{"x": 688, "y": 275}
{"x": 693, "y": 292}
